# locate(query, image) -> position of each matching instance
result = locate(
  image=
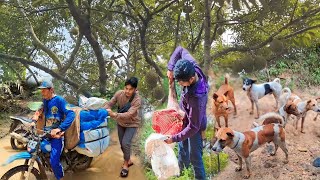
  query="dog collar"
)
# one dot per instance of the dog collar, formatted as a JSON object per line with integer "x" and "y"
{"x": 236, "y": 144}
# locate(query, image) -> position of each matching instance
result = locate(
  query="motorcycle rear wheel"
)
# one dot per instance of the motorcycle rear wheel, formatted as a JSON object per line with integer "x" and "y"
{"x": 84, "y": 163}
{"x": 13, "y": 173}
{"x": 17, "y": 145}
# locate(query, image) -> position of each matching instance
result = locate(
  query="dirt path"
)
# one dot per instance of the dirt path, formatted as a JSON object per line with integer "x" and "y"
{"x": 105, "y": 166}
{"x": 303, "y": 148}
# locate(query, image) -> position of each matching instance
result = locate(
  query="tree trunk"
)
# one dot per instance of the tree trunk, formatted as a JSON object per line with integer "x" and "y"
{"x": 85, "y": 28}
{"x": 207, "y": 42}
{"x": 143, "y": 42}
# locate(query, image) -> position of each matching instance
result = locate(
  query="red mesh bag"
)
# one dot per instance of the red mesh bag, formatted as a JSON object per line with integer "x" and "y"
{"x": 167, "y": 121}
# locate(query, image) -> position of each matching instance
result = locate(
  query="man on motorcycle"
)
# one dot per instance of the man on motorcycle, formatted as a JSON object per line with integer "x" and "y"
{"x": 55, "y": 117}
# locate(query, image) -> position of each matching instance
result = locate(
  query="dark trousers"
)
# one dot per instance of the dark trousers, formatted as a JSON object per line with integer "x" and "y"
{"x": 125, "y": 137}
{"x": 190, "y": 151}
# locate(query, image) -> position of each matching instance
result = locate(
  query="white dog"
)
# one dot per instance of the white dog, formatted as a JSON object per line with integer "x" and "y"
{"x": 257, "y": 91}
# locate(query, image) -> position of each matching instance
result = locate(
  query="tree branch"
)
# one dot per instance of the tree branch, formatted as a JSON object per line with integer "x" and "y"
{"x": 294, "y": 10}
{"x": 177, "y": 36}
{"x": 131, "y": 5}
{"x": 37, "y": 42}
{"x": 144, "y": 7}
{"x": 163, "y": 7}
{"x": 299, "y": 32}
{"x": 269, "y": 39}
{"x": 73, "y": 55}
{"x": 7, "y": 58}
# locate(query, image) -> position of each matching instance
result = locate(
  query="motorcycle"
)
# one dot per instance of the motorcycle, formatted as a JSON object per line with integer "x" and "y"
{"x": 20, "y": 126}
{"x": 38, "y": 150}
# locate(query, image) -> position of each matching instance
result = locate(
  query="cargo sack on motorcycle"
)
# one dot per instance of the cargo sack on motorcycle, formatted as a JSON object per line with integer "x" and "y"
{"x": 163, "y": 159}
{"x": 72, "y": 134}
{"x": 92, "y": 103}
{"x": 169, "y": 121}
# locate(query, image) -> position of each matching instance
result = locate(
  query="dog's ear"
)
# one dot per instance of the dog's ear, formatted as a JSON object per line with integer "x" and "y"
{"x": 215, "y": 96}
{"x": 230, "y": 134}
{"x": 317, "y": 99}
{"x": 309, "y": 101}
{"x": 287, "y": 106}
{"x": 254, "y": 81}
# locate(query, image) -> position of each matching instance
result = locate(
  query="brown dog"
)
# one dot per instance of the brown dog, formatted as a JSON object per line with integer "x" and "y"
{"x": 294, "y": 105}
{"x": 246, "y": 142}
{"x": 220, "y": 101}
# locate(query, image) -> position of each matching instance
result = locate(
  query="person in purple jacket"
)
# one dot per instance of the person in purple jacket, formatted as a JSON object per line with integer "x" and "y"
{"x": 183, "y": 68}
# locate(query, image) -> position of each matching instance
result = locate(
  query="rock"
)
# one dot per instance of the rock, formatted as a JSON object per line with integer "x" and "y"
{"x": 290, "y": 169}
{"x": 316, "y": 162}
{"x": 267, "y": 165}
{"x": 306, "y": 167}
{"x": 301, "y": 149}
{"x": 276, "y": 174}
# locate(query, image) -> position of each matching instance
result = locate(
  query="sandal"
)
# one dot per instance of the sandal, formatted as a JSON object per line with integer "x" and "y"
{"x": 124, "y": 173}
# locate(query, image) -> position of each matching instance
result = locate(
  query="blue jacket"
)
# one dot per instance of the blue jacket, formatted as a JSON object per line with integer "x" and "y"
{"x": 56, "y": 113}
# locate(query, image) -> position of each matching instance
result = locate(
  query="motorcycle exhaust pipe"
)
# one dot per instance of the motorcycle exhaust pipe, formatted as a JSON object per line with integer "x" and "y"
{"x": 19, "y": 137}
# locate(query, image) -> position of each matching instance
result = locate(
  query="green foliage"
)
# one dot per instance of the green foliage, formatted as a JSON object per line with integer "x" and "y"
{"x": 211, "y": 165}
{"x": 219, "y": 81}
{"x": 302, "y": 68}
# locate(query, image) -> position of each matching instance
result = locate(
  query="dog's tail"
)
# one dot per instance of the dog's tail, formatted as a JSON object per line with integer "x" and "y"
{"x": 271, "y": 115}
{"x": 287, "y": 90}
{"x": 255, "y": 124}
{"x": 226, "y": 79}
{"x": 276, "y": 80}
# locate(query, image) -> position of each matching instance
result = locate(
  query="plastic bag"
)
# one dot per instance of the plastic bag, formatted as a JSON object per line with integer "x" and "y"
{"x": 92, "y": 103}
{"x": 163, "y": 159}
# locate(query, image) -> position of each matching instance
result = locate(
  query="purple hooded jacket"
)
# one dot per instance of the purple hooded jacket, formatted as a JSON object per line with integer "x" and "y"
{"x": 193, "y": 99}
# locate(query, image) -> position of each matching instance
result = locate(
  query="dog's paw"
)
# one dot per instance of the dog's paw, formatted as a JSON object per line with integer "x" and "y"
{"x": 238, "y": 169}
{"x": 246, "y": 176}
{"x": 303, "y": 132}
{"x": 286, "y": 161}
{"x": 272, "y": 154}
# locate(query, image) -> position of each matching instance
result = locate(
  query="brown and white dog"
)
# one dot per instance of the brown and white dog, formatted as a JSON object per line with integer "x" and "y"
{"x": 294, "y": 105}
{"x": 221, "y": 99}
{"x": 245, "y": 143}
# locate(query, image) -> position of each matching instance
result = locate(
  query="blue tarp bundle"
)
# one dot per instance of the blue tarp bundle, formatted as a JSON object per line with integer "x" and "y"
{"x": 94, "y": 135}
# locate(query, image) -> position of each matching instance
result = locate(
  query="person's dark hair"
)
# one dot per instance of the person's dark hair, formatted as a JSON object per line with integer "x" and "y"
{"x": 183, "y": 70}
{"x": 133, "y": 81}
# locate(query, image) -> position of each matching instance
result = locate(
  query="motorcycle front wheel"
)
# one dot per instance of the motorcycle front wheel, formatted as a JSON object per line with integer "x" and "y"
{"x": 21, "y": 173}
{"x": 16, "y": 144}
